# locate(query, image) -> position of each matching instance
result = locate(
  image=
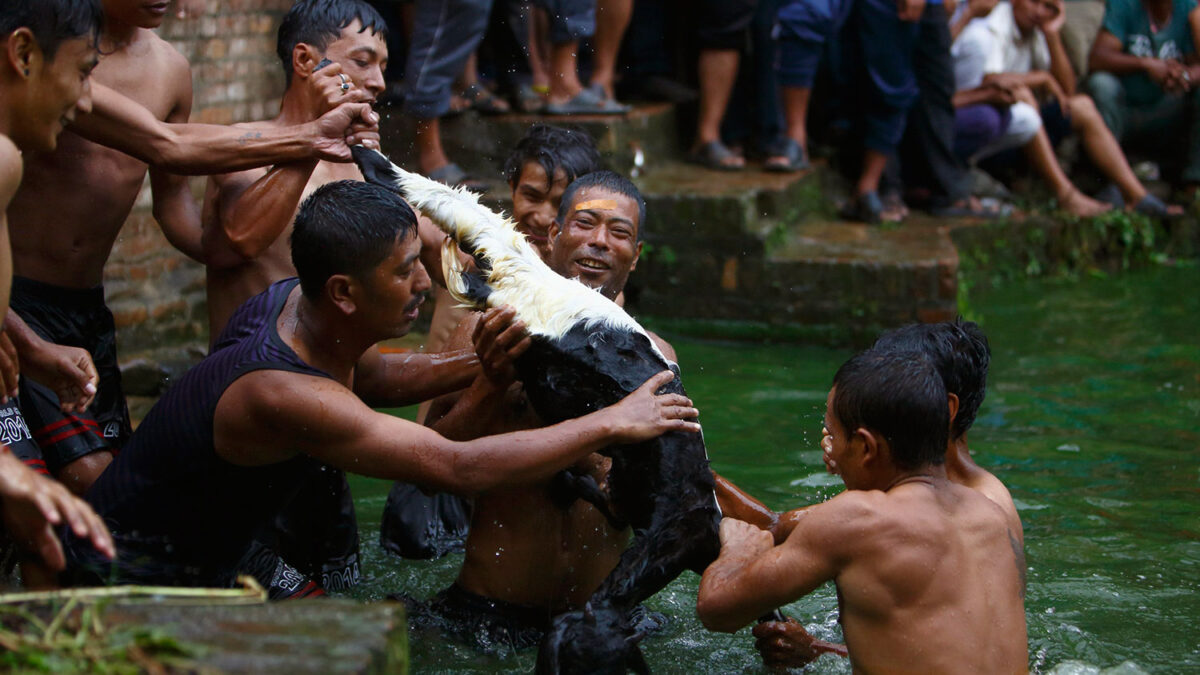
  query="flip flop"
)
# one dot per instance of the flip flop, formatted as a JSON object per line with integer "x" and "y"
{"x": 454, "y": 176}
{"x": 714, "y": 155}
{"x": 483, "y": 101}
{"x": 1155, "y": 208}
{"x": 865, "y": 208}
{"x": 795, "y": 159}
{"x": 528, "y": 100}
{"x": 586, "y": 103}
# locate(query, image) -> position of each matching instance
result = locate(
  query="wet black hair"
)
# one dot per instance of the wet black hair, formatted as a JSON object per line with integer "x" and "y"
{"x": 900, "y": 395}
{"x": 53, "y": 21}
{"x": 320, "y": 22}
{"x": 960, "y": 351}
{"x": 347, "y": 227}
{"x": 571, "y": 150}
{"x": 608, "y": 180}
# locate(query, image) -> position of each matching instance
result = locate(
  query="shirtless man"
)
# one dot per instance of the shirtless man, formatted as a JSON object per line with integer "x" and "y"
{"x": 930, "y": 575}
{"x": 49, "y": 52}
{"x": 253, "y": 421}
{"x": 527, "y": 558}
{"x": 960, "y": 352}
{"x": 331, "y": 50}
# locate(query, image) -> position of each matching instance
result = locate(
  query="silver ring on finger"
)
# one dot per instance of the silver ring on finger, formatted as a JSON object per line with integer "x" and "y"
{"x": 345, "y": 82}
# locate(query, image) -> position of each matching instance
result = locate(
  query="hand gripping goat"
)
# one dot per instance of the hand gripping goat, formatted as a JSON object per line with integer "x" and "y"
{"x": 587, "y": 353}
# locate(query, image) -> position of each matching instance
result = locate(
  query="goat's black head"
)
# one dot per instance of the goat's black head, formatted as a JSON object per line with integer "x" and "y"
{"x": 594, "y": 640}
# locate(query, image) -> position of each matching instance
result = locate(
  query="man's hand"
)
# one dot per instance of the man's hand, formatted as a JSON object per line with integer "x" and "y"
{"x": 785, "y": 644}
{"x": 744, "y": 539}
{"x": 1055, "y": 24}
{"x": 346, "y": 125}
{"x": 910, "y": 10}
{"x": 499, "y": 340}
{"x": 644, "y": 415}
{"x": 333, "y": 87}
{"x": 67, "y": 371}
{"x": 33, "y": 505}
{"x": 10, "y": 368}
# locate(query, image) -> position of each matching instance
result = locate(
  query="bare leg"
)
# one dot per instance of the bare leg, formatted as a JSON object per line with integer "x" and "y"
{"x": 564, "y": 76}
{"x": 718, "y": 71}
{"x": 612, "y": 18}
{"x": 430, "y": 154}
{"x": 1103, "y": 148}
{"x": 795, "y": 112}
{"x": 539, "y": 48}
{"x": 1041, "y": 155}
{"x": 873, "y": 165}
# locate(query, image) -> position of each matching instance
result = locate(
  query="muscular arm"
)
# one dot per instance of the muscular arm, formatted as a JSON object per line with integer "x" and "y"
{"x": 392, "y": 380}
{"x": 252, "y": 219}
{"x": 11, "y": 169}
{"x": 175, "y": 207}
{"x": 736, "y": 503}
{"x": 263, "y": 418}
{"x": 752, "y": 576}
{"x": 199, "y": 149}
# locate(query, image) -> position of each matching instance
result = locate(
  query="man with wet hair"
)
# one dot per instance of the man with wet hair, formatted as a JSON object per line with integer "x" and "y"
{"x": 930, "y": 575}
{"x": 253, "y": 422}
{"x": 49, "y": 50}
{"x": 527, "y": 557}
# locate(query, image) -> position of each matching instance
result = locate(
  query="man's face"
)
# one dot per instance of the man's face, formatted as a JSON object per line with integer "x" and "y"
{"x": 598, "y": 241}
{"x": 140, "y": 13}
{"x": 396, "y": 288}
{"x": 840, "y": 441}
{"x": 535, "y": 204}
{"x": 363, "y": 57}
{"x": 58, "y": 89}
{"x": 1031, "y": 14}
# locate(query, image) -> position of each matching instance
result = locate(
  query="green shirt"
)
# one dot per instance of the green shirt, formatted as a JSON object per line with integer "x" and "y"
{"x": 1130, "y": 22}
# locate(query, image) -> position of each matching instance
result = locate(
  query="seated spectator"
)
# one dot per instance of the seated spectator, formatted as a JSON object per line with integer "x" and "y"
{"x": 1144, "y": 91}
{"x": 1017, "y": 50}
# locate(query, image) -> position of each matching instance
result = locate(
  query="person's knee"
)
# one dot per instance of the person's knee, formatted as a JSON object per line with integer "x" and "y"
{"x": 1104, "y": 87}
{"x": 1024, "y": 122}
{"x": 1083, "y": 110}
{"x": 79, "y": 474}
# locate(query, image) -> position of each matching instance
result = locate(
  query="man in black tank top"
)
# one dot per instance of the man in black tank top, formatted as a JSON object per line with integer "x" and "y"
{"x": 222, "y": 452}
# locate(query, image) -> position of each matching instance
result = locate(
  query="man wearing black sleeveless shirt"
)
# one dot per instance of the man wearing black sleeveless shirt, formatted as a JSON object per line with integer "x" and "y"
{"x": 228, "y": 445}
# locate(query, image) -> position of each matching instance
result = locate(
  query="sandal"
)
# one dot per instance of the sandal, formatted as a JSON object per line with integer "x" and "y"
{"x": 788, "y": 157}
{"x": 865, "y": 208}
{"x": 454, "y": 176}
{"x": 483, "y": 101}
{"x": 586, "y": 103}
{"x": 1155, "y": 208}
{"x": 714, "y": 155}
{"x": 528, "y": 100}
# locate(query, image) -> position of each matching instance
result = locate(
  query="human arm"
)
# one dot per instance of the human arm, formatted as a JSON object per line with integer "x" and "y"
{"x": 269, "y": 416}
{"x": 393, "y": 380}
{"x": 1060, "y": 63}
{"x": 786, "y": 644}
{"x": 752, "y": 576}
{"x": 251, "y": 217}
{"x": 33, "y": 505}
{"x": 67, "y": 371}
{"x": 198, "y": 149}
{"x": 976, "y": 9}
{"x": 175, "y": 208}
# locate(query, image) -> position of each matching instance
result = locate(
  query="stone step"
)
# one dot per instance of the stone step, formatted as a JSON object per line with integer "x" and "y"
{"x": 318, "y": 636}
{"x": 480, "y": 143}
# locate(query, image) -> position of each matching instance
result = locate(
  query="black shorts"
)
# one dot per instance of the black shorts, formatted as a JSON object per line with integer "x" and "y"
{"x": 15, "y": 433}
{"x": 725, "y": 24}
{"x": 488, "y": 625}
{"x": 317, "y": 532}
{"x": 75, "y": 318}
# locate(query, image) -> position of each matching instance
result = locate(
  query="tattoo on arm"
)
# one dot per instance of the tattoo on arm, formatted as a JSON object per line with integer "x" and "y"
{"x": 250, "y": 136}
{"x": 1019, "y": 559}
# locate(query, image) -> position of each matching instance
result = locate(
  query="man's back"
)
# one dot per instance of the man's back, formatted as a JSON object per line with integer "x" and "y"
{"x": 934, "y": 580}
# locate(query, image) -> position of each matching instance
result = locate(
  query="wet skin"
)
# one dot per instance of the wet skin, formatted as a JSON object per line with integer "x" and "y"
{"x": 535, "y": 204}
{"x": 248, "y": 215}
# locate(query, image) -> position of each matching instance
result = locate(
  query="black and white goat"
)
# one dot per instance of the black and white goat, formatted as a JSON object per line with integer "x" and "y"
{"x": 587, "y": 353}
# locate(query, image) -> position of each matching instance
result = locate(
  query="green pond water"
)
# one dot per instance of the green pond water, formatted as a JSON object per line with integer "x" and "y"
{"x": 1092, "y": 419}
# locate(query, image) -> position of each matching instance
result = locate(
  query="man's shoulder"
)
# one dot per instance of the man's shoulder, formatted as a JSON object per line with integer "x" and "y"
{"x": 11, "y": 162}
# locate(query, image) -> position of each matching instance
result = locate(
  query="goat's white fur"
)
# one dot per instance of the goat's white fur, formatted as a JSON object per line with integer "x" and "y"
{"x": 548, "y": 303}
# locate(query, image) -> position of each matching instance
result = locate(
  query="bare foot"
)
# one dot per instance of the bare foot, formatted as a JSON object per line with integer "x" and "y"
{"x": 1079, "y": 204}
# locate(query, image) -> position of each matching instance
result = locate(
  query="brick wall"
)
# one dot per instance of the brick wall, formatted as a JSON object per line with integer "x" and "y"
{"x": 156, "y": 293}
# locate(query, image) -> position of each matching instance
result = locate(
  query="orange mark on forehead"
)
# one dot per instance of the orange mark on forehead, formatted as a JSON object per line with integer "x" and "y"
{"x": 591, "y": 204}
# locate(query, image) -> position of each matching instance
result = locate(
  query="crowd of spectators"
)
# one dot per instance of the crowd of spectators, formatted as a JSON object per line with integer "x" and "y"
{"x": 914, "y": 94}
